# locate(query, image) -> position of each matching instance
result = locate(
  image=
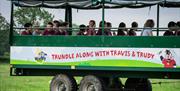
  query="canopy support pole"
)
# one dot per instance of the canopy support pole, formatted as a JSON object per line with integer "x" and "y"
{"x": 103, "y": 16}
{"x": 11, "y": 24}
{"x": 68, "y": 18}
{"x": 157, "y": 19}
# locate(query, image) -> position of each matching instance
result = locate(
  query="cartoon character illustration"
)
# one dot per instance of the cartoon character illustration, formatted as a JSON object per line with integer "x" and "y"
{"x": 41, "y": 56}
{"x": 168, "y": 60}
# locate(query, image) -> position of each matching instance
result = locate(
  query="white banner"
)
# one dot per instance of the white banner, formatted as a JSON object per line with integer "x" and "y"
{"x": 169, "y": 57}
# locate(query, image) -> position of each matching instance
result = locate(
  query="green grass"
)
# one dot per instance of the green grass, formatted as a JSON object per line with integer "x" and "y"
{"x": 41, "y": 83}
{"x": 166, "y": 85}
{"x": 17, "y": 83}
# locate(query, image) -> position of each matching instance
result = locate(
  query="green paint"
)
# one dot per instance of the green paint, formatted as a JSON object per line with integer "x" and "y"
{"x": 98, "y": 41}
{"x": 112, "y": 63}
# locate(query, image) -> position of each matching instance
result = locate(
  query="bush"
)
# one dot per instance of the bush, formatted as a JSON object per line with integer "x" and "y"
{"x": 6, "y": 54}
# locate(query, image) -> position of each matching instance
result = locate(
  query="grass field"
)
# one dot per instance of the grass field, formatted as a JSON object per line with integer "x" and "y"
{"x": 41, "y": 83}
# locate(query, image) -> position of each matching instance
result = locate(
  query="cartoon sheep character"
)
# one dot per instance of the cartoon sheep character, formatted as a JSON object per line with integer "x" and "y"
{"x": 41, "y": 56}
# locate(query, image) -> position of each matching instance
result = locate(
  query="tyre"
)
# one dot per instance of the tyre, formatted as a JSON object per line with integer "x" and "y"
{"x": 91, "y": 83}
{"x": 138, "y": 84}
{"x": 116, "y": 83}
{"x": 63, "y": 82}
{"x": 112, "y": 84}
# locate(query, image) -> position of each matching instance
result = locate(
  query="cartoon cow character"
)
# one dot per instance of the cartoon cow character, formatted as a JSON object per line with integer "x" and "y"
{"x": 168, "y": 60}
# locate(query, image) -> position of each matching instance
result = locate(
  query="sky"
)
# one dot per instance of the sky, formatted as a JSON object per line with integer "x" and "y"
{"x": 115, "y": 16}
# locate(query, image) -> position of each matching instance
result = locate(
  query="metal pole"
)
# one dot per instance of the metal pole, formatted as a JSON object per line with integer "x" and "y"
{"x": 103, "y": 16}
{"x": 11, "y": 24}
{"x": 68, "y": 17}
{"x": 158, "y": 20}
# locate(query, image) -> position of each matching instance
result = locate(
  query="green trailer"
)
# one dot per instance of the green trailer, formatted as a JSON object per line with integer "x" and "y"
{"x": 100, "y": 60}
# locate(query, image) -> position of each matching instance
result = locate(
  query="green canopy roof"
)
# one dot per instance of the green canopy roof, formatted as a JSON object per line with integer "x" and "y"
{"x": 95, "y": 4}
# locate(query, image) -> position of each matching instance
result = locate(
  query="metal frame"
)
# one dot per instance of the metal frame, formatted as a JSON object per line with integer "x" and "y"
{"x": 11, "y": 24}
{"x": 129, "y": 72}
{"x": 158, "y": 19}
{"x": 68, "y": 17}
{"x": 100, "y": 41}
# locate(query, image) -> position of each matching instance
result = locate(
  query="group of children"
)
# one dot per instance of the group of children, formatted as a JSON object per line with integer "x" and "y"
{"x": 60, "y": 28}
{"x": 52, "y": 28}
{"x": 173, "y": 29}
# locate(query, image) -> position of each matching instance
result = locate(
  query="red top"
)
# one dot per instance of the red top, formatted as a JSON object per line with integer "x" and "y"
{"x": 80, "y": 33}
{"x": 61, "y": 33}
{"x": 46, "y": 32}
{"x": 26, "y": 33}
{"x": 108, "y": 33}
{"x": 91, "y": 31}
{"x": 169, "y": 64}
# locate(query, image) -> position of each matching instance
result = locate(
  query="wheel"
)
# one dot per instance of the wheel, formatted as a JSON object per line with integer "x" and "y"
{"x": 138, "y": 84}
{"x": 63, "y": 82}
{"x": 112, "y": 84}
{"x": 116, "y": 83}
{"x": 91, "y": 83}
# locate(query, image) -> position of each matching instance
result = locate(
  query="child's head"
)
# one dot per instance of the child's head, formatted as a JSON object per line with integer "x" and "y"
{"x": 178, "y": 24}
{"x": 82, "y": 28}
{"x": 28, "y": 26}
{"x": 178, "y": 27}
{"x": 65, "y": 24}
{"x": 49, "y": 26}
{"x": 172, "y": 25}
{"x": 101, "y": 23}
{"x": 122, "y": 25}
{"x": 134, "y": 24}
{"x": 149, "y": 23}
{"x": 56, "y": 24}
{"x": 92, "y": 23}
{"x": 108, "y": 26}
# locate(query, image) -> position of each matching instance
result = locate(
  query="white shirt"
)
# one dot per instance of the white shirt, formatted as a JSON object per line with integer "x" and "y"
{"x": 146, "y": 32}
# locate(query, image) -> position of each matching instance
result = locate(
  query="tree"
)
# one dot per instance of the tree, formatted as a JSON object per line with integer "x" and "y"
{"x": 23, "y": 15}
{"x": 4, "y": 25}
{"x": 4, "y": 35}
